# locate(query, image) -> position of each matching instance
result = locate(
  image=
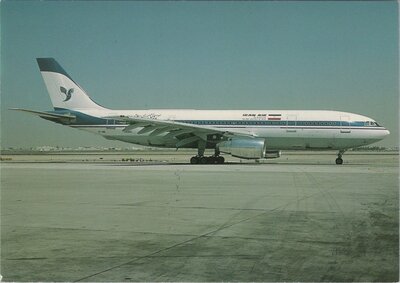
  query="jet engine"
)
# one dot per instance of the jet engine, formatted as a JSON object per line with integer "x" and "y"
{"x": 247, "y": 148}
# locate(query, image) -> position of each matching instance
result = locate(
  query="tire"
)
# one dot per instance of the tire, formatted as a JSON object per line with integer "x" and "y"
{"x": 339, "y": 161}
{"x": 194, "y": 160}
{"x": 203, "y": 160}
{"x": 220, "y": 160}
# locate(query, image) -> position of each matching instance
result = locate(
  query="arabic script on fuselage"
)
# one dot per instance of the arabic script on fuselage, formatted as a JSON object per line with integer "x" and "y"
{"x": 147, "y": 116}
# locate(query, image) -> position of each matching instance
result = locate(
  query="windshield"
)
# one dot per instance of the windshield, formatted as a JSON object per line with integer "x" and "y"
{"x": 372, "y": 123}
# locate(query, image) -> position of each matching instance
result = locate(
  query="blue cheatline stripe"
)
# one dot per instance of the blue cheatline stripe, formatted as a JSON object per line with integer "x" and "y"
{"x": 84, "y": 119}
{"x": 274, "y": 123}
{"x": 236, "y": 127}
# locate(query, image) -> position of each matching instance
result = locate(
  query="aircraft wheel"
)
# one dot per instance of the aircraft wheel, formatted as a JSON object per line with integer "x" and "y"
{"x": 194, "y": 160}
{"x": 203, "y": 160}
{"x": 339, "y": 161}
{"x": 220, "y": 160}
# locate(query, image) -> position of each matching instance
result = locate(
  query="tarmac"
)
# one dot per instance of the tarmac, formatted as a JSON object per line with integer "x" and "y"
{"x": 297, "y": 218}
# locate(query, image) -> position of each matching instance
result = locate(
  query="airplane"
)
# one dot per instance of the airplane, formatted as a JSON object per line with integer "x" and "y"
{"x": 246, "y": 134}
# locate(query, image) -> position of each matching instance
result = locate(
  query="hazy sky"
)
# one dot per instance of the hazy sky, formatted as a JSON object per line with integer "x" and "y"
{"x": 205, "y": 55}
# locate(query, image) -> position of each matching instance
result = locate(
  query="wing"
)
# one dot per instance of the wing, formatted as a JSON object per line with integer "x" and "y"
{"x": 184, "y": 132}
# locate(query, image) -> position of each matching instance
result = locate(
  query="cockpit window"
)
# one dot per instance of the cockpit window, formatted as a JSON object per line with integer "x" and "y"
{"x": 372, "y": 124}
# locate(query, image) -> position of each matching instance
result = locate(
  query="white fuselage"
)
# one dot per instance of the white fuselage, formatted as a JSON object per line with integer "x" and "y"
{"x": 282, "y": 129}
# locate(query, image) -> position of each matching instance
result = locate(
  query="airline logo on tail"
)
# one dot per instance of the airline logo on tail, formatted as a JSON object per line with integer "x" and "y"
{"x": 68, "y": 93}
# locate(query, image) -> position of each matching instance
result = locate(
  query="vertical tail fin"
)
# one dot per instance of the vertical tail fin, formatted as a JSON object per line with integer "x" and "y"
{"x": 64, "y": 92}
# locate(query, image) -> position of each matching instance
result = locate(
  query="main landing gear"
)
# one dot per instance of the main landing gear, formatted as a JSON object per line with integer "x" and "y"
{"x": 201, "y": 159}
{"x": 339, "y": 160}
{"x": 207, "y": 160}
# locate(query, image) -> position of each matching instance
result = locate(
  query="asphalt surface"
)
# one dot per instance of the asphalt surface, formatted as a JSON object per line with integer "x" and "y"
{"x": 300, "y": 218}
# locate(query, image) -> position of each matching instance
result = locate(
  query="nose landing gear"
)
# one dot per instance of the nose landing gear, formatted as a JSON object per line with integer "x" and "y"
{"x": 339, "y": 160}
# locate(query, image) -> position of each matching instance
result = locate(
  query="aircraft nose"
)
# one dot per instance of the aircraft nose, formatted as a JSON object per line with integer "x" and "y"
{"x": 385, "y": 133}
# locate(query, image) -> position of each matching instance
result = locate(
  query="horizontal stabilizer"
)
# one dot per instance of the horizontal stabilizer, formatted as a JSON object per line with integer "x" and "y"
{"x": 46, "y": 114}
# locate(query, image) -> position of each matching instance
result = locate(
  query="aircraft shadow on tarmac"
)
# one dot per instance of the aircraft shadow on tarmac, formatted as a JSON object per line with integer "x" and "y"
{"x": 236, "y": 164}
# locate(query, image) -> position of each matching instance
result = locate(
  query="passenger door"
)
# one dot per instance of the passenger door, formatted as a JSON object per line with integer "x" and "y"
{"x": 345, "y": 124}
{"x": 291, "y": 123}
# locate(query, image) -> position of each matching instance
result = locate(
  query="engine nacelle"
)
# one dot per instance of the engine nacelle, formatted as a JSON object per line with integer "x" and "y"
{"x": 244, "y": 147}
